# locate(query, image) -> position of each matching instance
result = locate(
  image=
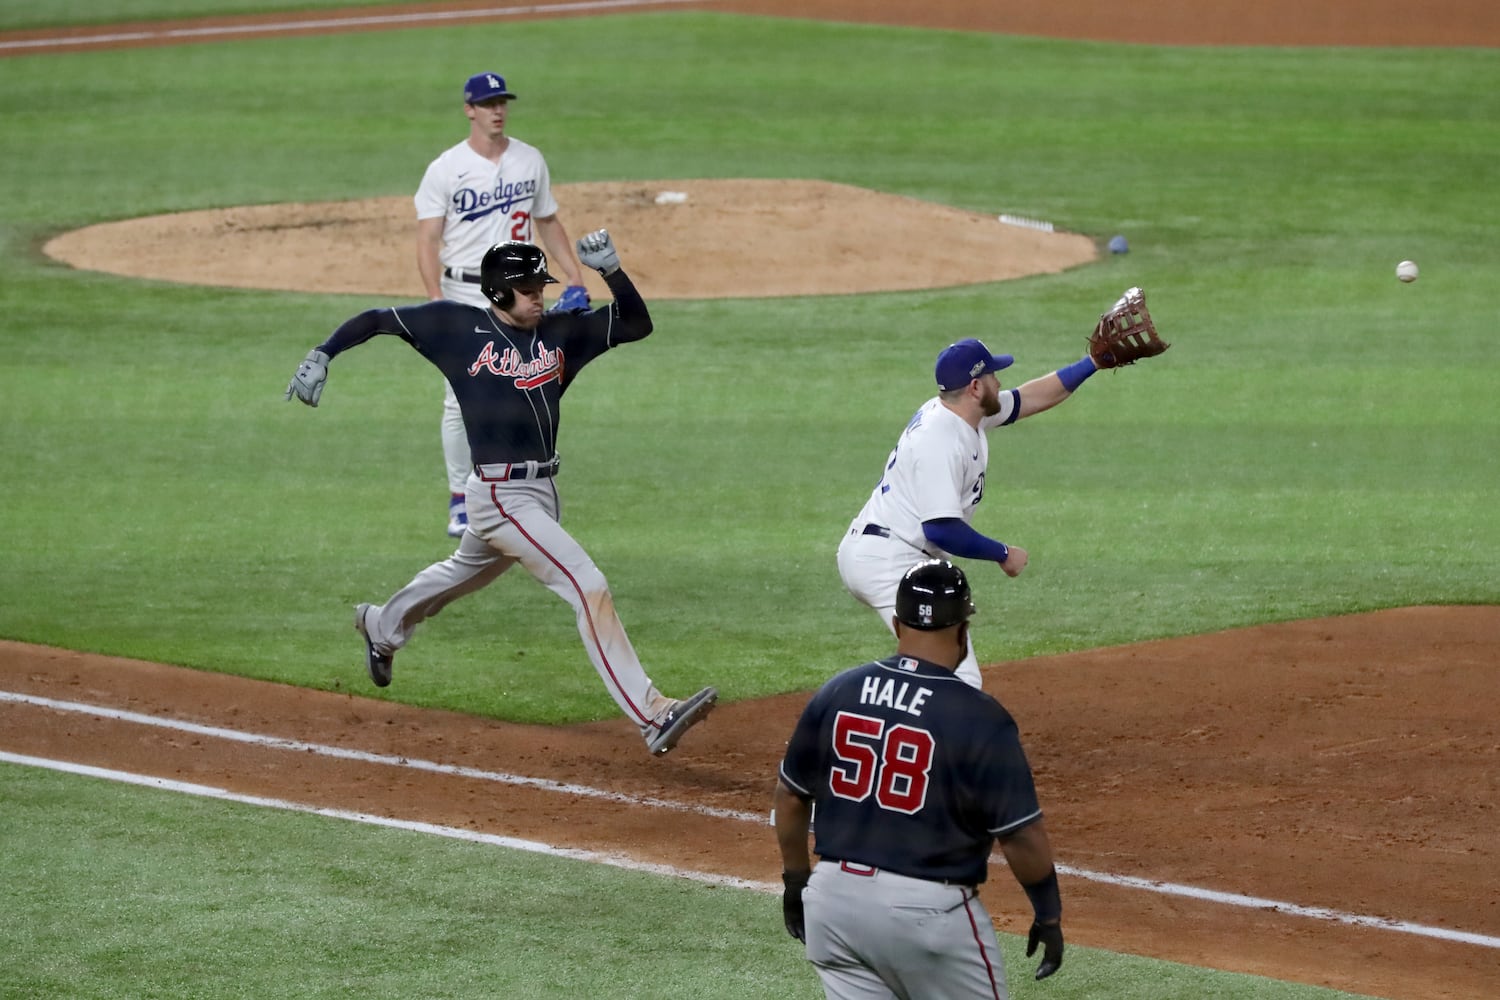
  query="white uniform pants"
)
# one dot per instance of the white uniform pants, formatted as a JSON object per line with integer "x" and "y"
{"x": 875, "y": 935}
{"x": 871, "y": 567}
{"x": 511, "y": 522}
{"x": 456, "y": 456}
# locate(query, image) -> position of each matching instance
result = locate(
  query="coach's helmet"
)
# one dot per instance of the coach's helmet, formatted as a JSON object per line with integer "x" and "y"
{"x": 933, "y": 595}
{"x": 506, "y": 265}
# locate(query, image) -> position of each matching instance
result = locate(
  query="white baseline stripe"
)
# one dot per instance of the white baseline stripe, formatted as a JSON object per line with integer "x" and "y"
{"x": 415, "y": 764}
{"x": 1106, "y": 878}
{"x": 340, "y": 24}
{"x": 1257, "y": 903}
{"x": 494, "y": 840}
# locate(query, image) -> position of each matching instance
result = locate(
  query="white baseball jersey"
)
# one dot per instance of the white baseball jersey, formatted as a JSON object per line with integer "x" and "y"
{"x": 484, "y": 203}
{"x": 936, "y": 470}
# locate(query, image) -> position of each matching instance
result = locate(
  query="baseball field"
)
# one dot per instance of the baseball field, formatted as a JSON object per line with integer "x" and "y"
{"x": 1256, "y": 656}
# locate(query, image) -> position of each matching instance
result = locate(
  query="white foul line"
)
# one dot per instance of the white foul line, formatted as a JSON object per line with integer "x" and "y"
{"x": 337, "y": 24}
{"x": 275, "y": 742}
{"x": 340, "y": 753}
{"x": 494, "y": 840}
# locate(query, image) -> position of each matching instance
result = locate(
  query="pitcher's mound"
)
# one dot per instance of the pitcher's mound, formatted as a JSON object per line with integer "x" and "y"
{"x": 680, "y": 239}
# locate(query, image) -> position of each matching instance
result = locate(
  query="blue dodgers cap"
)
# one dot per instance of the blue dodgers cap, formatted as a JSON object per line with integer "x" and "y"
{"x": 484, "y": 87}
{"x": 963, "y": 362}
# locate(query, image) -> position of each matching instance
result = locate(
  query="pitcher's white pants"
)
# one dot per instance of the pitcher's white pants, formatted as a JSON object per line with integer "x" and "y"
{"x": 456, "y": 456}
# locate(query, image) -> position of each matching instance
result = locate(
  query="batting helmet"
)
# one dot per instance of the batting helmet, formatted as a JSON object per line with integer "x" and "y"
{"x": 507, "y": 265}
{"x": 933, "y": 595}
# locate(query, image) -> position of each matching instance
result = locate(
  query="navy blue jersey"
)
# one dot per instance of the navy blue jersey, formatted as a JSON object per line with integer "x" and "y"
{"x": 508, "y": 381}
{"x": 911, "y": 770}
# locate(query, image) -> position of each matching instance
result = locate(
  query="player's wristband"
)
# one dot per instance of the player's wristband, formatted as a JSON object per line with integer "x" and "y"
{"x": 1004, "y": 552}
{"x": 1046, "y": 901}
{"x": 1072, "y": 376}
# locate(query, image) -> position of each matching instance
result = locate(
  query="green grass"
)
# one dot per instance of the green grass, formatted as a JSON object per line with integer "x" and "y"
{"x": 114, "y": 893}
{"x": 1319, "y": 439}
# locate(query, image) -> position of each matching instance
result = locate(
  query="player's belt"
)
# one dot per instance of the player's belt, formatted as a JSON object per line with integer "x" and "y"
{"x": 870, "y": 871}
{"x": 459, "y": 274}
{"x": 875, "y": 529}
{"x": 504, "y": 472}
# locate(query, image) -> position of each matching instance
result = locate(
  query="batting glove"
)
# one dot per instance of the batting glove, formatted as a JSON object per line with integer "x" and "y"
{"x": 307, "y": 383}
{"x": 575, "y": 299}
{"x": 597, "y": 250}
{"x": 1049, "y": 936}
{"x": 791, "y": 903}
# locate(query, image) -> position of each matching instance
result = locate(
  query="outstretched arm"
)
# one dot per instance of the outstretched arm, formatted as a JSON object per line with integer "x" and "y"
{"x": 1046, "y": 391}
{"x": 357, "y": 329}
{"x": 307, "y": 382}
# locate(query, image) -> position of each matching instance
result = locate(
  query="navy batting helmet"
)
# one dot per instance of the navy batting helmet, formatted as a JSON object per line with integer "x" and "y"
{"x": 933, "y": 595}
{"x": 506, "y": 265}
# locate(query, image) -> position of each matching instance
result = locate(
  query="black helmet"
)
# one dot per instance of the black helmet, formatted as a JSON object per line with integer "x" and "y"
{"x": 933, "y": 595}
{"x": 509, "y": 264}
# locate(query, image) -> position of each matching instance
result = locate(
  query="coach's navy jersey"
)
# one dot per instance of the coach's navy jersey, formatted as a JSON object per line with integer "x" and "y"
{"x": 911, "y": 770}
{"x": 508, "y": 382}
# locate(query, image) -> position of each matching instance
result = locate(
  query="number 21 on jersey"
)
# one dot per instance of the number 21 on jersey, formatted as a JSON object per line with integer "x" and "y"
{"x": 520, "y": 226}
{"x": 892, "y": 762}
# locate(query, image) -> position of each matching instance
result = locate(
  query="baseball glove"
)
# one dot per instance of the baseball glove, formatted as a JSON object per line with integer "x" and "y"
{"x": 1125, "y": 334}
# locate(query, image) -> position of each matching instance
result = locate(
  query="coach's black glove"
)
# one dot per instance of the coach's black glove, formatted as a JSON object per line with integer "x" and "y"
{"x": 791, "y": 903}
{"x": 1049, "y": 936}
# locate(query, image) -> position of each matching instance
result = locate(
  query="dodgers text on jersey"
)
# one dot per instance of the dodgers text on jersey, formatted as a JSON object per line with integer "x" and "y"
{"x": 471, "y": 204}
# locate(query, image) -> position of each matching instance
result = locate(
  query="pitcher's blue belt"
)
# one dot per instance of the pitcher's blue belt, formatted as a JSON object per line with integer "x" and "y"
{"x": 875, "y": 529}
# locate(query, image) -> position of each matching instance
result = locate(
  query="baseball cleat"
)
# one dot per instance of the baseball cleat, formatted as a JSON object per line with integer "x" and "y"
{"x": 376, "y": 662}
{"x": 682, "y": 716}
{"x": 458, "y": 517}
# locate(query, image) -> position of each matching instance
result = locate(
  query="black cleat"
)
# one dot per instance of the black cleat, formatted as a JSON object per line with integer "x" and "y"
{"x": 376, "y": 662}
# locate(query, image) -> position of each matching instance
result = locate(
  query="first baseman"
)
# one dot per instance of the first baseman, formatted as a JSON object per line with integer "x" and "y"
{"x": 915, "y": 775}
{"x": 488, "y": 189}
{"x": 509, "y": 365}
{"x": 935, "y": 477}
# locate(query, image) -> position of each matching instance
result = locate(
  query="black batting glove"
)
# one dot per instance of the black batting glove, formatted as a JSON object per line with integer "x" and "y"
{"x": 1049, "y": 936}
{"x": 791, "y": 903}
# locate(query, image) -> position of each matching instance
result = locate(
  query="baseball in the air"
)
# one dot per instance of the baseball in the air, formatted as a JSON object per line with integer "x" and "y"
{"x": 1407, "y": 270}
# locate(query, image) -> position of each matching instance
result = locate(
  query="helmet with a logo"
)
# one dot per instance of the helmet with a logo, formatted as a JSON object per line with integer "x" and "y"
{"x": 507, "y": 265}
{"x": 933, "y": 595}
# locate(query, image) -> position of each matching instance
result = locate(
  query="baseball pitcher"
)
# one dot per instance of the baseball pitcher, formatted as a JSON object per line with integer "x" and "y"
{"x": 488, "y": 189}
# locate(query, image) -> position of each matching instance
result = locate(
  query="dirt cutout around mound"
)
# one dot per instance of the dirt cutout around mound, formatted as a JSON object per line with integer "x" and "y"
{"x": 684, "y": 239}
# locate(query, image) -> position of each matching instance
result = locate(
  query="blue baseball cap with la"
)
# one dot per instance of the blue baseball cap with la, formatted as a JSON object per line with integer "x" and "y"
{"x": 963, "y": 362}
{"x": 485, "y": 87}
